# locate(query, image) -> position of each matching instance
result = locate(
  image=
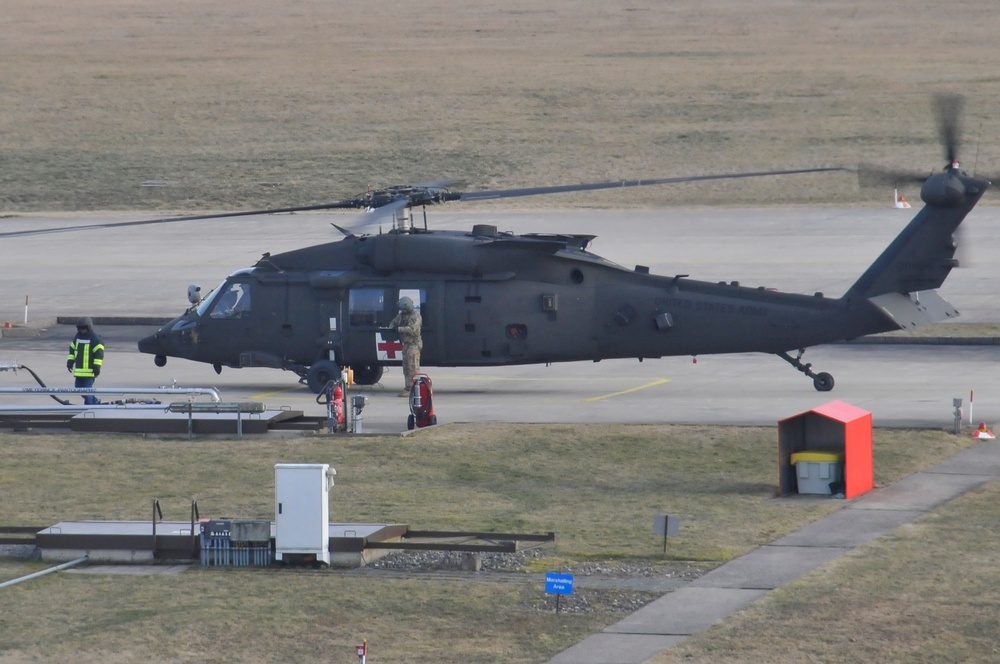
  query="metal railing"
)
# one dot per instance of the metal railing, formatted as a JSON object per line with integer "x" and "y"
{"x": 210, "y": 392}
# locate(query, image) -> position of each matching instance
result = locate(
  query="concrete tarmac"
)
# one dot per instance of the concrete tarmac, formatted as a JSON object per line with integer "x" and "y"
{"x": 145, "y": 271}
{"x": 902, "y": 385}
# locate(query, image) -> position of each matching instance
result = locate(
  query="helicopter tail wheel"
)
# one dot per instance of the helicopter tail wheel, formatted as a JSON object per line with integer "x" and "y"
{"x": 823, "y": 382}
{"x": 320, "y": 373}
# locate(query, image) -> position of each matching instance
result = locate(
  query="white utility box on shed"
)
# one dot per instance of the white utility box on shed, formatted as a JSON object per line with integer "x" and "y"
{"x": 302, "y": 510}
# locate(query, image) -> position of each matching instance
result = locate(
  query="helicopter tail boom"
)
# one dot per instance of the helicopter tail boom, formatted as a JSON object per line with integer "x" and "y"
{"x": 923, "y": 254}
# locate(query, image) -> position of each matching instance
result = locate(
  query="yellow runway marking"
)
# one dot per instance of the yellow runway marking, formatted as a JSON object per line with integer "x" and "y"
{"x": 661, "y": 381}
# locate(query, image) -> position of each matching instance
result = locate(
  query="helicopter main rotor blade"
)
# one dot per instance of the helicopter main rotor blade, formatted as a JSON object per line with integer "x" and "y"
{"x": 390, "y": 200}
{"x": 167, "y": 220}
{"x": 374, "y": 216}
{"x": 871, "y": 175}
{"x": 378, "y": 214}
{"x": 559, "y": 189}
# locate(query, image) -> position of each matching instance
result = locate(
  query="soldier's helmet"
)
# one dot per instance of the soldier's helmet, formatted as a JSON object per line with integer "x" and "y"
{"x": 85, "y": 324}
{"x": 405, "y": 304}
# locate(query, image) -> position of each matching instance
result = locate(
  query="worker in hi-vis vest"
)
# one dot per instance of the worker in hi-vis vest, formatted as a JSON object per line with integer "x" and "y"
{"x": 86, "y": 355}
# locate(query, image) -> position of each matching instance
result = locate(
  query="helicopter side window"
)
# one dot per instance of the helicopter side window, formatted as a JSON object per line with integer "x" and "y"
{"x": 234, "y": 302}
{"x": 365, "y": 305}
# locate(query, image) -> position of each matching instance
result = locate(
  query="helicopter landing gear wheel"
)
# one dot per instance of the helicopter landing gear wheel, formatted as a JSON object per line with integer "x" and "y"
{"x": 823, "y": 382}
{"x": 160, "y": 360}
{"x": 367, "y": 374}
{"x": 320, "y": 373}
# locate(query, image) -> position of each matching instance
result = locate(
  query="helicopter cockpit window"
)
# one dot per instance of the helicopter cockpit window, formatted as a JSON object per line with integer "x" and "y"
{"x": 366, "y": 305}
{"x": 232, "y": 302}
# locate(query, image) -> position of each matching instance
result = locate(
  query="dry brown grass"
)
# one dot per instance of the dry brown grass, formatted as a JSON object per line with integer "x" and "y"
{"x": 270, "y": 104}
{"x": 927, "y": 592}
{"x": 597, "y": 487}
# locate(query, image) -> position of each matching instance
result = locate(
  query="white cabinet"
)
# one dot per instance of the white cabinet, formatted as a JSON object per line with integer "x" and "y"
{"x": 302, "y": 511}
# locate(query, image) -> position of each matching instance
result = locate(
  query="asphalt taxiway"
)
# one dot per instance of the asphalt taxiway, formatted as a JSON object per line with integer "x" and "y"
{"x": 145, "y": 270}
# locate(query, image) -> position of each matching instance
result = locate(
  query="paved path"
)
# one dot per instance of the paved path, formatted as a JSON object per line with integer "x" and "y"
{"x": 737, "y": 584}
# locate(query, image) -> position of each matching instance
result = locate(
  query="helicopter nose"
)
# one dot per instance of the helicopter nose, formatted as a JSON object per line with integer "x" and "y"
{"x": 151, "y": 344}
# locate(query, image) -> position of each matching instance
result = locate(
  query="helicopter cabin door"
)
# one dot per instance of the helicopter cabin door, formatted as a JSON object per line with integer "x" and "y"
{"x": 331, "y": 315}
{"x": 370, "y": 308}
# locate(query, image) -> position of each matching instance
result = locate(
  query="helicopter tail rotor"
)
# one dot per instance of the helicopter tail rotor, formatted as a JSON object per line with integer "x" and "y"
{"x": 948, "y": 117}
{"x": 948, "y": 114}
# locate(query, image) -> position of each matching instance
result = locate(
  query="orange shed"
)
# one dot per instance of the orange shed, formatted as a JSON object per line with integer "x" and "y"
{"x": 836, "y": 428}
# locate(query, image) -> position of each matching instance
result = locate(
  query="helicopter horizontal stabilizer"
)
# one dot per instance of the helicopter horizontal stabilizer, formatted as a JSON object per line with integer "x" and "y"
{"x": 914, "y": 309}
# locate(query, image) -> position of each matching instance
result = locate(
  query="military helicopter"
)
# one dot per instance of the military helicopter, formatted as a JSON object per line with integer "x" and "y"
{"x": 489, "y": 297}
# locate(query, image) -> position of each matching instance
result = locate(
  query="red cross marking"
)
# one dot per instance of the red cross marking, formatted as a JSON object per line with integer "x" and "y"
{"x": 388, "y": 347}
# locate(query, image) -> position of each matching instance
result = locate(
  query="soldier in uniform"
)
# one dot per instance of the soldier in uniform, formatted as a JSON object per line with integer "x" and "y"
{"x": 407, "y": 324}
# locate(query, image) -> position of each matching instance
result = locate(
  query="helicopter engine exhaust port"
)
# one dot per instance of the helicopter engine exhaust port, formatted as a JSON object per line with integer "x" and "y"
{"x": 823, "y": 382}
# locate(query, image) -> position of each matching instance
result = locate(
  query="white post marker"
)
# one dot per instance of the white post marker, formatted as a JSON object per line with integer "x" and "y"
{"x": 362, "y": 651}
{"x": 25, "y": 309}
{"x": 970, "y": 407}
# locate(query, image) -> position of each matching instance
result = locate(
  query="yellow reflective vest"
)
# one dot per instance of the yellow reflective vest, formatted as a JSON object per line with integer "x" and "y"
{"x": 86, "y": 354}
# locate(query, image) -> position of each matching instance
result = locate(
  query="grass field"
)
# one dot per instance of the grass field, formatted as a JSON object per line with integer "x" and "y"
{"x": 596, "y": 487}
{"x": 181, "y": 107}
{"x": 264, "y": 104}
{"x": 924, "y": 593}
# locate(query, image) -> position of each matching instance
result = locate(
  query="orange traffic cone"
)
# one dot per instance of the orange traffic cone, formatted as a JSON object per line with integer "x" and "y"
{"x": 983, "y": 432}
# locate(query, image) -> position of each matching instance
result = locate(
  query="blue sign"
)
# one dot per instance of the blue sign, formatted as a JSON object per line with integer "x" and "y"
{"x": 558, "y": 584}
